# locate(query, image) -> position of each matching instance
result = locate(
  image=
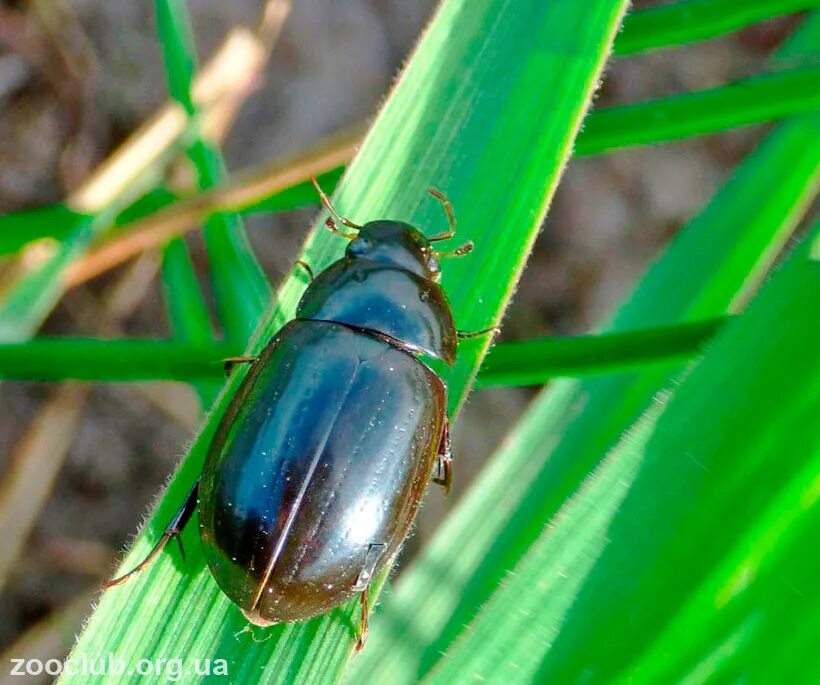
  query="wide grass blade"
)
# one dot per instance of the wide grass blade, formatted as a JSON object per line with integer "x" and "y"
{"x": 494, "y": 90}
{"x": 624, "y": 554}
{"x": 573, "y": 424}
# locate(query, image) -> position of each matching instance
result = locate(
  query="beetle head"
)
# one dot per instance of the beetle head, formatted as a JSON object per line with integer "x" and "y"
{"x": 397, "y": 244}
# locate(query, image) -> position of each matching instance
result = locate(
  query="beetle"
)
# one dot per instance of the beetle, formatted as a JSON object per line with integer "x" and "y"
{"x": 318, "y": 466}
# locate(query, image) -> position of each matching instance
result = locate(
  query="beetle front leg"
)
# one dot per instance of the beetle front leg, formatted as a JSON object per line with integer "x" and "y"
{"x": 172, "y": 530}
{"x": 443, "y": 468}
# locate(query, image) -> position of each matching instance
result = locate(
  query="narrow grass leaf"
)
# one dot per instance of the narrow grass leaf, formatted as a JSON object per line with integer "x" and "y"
{"x": 534, "y": 362}
{"x": 241, "y": 289}
{"x": 688, "y": 21}
{"x": 526, "y": 362}
{"x": 56, "y": 359}
{"x": 177, "y": 42}
{"x": 187, "y": 310}
{"x": 759, "y": 99}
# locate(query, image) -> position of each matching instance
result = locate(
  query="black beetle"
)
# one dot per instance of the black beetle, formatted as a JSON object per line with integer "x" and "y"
{"x": 318, "y": 466}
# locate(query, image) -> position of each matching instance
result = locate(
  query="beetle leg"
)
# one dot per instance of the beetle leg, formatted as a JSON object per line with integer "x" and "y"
{"x": 330, "y": 208}
{"x": 464, "y": 249}
{"x": 371, "y": 560}
{"x": 173, "y": 530}
{"x": 365, "y": 623}
{"x": 230, "y": 362}
{"x": 448, "y": 210}
{"x": 307, "y": 269}
{"x": 443, "y": 469}
{"x": 466, "y": 335}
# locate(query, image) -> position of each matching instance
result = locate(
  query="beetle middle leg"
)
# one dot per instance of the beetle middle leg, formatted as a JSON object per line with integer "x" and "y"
{"x": 443, "y": 468}
{"x": 371, "y": 560}
{"x": 467, "y": 335}
{"x": 172, "y": 530}
{"x": 448, "y": 210}
{"x": 230, "y": 362}
{"x": 464, "y": 249}
{"x": 364, "y": 626}
{"x": 307, "y": 269}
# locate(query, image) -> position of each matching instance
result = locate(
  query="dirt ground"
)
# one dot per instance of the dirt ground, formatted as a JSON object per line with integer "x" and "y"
{"x": 334, "y": 62}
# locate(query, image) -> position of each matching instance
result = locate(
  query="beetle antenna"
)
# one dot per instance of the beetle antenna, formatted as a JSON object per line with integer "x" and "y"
{"x": 330, "y": 223}
{"x": 466, "y": 248}
{"x": 448, "y": 210}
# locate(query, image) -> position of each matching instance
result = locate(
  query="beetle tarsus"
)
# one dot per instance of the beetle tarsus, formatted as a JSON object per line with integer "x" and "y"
{"x": 467, "y": 335}
{"x": 460, "y": 251}
{"x": 364, "y": 626}
{"x": 443, "y": 470}
{"x": 230, "y": 362}
{"x": 173, "y": 530}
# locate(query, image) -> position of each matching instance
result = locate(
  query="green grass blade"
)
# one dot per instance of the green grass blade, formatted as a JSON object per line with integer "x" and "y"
{"x": 494, "y": 90}
{"x": 27, "y": 302}
{"x": 534, "y": 362}
{"x": 527, "y": 362}
{"x": 545, "y": 459}
{"x": 755, "y": 100}
{"x": 58, "y": 221}
{"x": 688, "y": 21}
{"x": 179, "y": 57}
{"x": 188, "y": 315}
{"x": 760, "y": 99}
{"x": 802, "y": 44}
{"x": 770, "y": 550}
{"x": 240, "y": 287}
{"x": 24, "y": 226}
{"x": 57, "y": 359}
{"x": 719, "y": 454}
{"x": 187, "y": 310}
